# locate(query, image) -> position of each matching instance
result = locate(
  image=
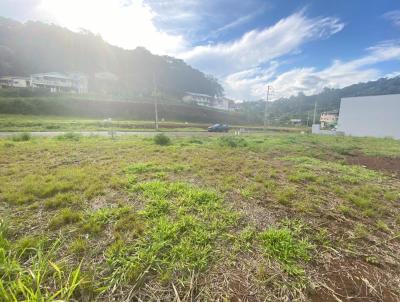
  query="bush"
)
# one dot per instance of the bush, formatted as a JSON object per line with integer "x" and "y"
{"x": 69, "y": 136}
{"x": 232, "y": 141}
{"x": 22, "y": 137}
{"x": 162, "y": 139}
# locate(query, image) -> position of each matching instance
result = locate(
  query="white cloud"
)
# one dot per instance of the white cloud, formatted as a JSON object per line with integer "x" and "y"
{"x": 310, "y": 80}
{"x": 251, "y": 82}
{"x": 124, "y": 23}
{"x": 259, "y": 46}
{"x": 393, "y": 16}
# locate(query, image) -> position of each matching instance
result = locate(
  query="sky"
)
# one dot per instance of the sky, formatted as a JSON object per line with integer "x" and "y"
{"x": 293, "y": 46}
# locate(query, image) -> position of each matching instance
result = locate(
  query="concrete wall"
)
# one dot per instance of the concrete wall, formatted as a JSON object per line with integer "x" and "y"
{"x": 377, "y": 116}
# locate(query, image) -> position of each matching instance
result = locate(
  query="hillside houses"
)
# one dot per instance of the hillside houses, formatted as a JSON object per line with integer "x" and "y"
{"x": 205, "y": 100}
{"x": 17, "y": 82}
{"x": 53, "y": 81}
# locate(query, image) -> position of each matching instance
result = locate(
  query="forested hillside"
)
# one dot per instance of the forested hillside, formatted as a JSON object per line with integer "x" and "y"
{"x": 35, "y": 47}
{"x": 301, "y": 106}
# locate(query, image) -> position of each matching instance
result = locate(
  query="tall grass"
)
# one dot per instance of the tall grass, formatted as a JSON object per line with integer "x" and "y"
{"x": 37, "y": 278}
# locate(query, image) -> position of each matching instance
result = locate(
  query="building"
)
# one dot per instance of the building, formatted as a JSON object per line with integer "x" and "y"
{"x": 60, "y": 82}
{"x": 16, "y": 82}
{"x": 200, "y": 99}
{"x": 295, "y": 121}
{"x": 328, "y": 119}
{"x": 377, "y": 116}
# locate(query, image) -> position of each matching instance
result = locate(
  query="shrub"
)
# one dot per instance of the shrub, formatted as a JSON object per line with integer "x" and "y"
{"x": 232, "y": 141}
{"x": 162, "y": 140}
{"x": 69, "y": 136}
{"x": 22, "y": 137}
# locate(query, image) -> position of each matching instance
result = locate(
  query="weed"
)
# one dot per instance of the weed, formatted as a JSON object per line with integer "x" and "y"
{"x": 391, "y": 195}
{"x": 60, "y": 200}
{"x": 162, "y": 140}
{"x": 79, "y": 246}
{"x": 130, "y": 225}
{"x": 281, "y": 244}
{"x": 245, "y": 239}
{"x": 70, "y": 136}
{"x": 22, "y": 137}
{"x": 302, "y": 175}
{"x": 64, "y": 217}
{"x": 372, "y": 259}
{"x": 232, "y": 141}
{"x": 38, "y": 279}
{"x": 381, "y": 225}
{"x": 28, "y": 245}
{"x": 196, "y": 141}
{"x": 286, "y": 195}
{"x": 183, "y": 224}
{"x": 92, "y": 227}
{"x": 322, "y": 237}
{"x": 360, "y": 231}
{"x": 344, "y": 150}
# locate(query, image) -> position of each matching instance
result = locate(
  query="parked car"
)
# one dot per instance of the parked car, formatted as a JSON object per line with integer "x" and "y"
{"x": 218, "y": 128}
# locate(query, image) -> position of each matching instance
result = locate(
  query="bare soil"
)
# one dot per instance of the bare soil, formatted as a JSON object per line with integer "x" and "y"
{"x": 386, "y": 164}
{"x": 349, "y": 280}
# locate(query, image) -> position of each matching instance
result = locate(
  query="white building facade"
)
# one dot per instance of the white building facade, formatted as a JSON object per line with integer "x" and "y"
{"x": 376, "y": 116}
{"x": 16, "y": 82}
{"x": 221, "y": 103}
{"x": 60, "y": 82}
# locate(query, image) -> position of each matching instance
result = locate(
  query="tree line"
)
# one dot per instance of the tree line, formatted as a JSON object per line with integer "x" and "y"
{"x": 36, "y": 47}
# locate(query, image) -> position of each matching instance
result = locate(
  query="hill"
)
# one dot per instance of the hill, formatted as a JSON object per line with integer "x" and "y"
{"x": 34, "y": 47}
{"x": 74, "y": 106}
{"x": 284, "y": 109}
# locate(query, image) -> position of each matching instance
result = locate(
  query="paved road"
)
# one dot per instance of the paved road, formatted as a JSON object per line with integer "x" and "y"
{"x": 117, "y": 133}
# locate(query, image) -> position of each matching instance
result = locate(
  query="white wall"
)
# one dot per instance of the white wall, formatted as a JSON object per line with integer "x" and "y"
{"x": 377, "y": 116}
{"x": 20, "y": 83}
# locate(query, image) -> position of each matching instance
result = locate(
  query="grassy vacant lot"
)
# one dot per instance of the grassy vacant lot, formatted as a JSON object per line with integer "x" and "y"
{"x": 275, "y": 218}
{"x": 31, "y": 123}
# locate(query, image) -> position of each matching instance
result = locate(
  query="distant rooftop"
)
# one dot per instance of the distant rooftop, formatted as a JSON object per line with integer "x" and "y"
{"x": 199, "y": 94}
{"x": 59, "y": 75}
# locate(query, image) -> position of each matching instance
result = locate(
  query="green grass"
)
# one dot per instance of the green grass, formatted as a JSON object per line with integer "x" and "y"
{"x": 282, "y": 244}
{"x": 100, "y": 219}
{"x": 23, "y": 137}
{"x": 25, "y": 281}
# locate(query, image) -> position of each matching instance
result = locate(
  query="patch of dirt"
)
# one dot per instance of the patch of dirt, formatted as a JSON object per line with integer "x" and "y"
{"x": 387, "y": 164}
{"x": 354, "y": 281}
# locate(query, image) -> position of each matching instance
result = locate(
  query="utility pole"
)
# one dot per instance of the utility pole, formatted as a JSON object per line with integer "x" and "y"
{"x": 155, "y": 102}
{"x": 315, "y": 112}
{"x": 308, "y": 117}
{"x": 266, "y": 107}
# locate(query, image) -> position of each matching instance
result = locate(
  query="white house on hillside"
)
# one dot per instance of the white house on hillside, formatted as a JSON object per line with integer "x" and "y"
{"x": 60, "y": 82}
{"x": 206, "y": 100}
{"x": 199, "y": 99}
{"x": 17, "y": 82}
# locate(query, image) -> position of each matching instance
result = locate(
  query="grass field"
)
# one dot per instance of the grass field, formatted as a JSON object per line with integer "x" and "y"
{"x": 32, "y": 123}
{"x": 275, "y": 217}
{"x": 38, "y": 123}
